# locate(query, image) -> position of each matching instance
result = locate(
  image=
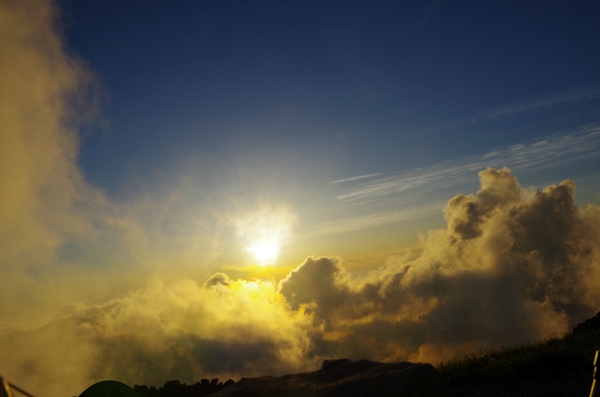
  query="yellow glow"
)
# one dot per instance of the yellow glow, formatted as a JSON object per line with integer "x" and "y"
{"x": 265, "y": 252}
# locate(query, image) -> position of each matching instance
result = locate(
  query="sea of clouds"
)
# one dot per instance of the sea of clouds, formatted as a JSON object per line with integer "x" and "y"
{"x": 512, "y": 265}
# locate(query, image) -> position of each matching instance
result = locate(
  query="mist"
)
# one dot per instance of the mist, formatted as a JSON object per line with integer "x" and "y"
{"x": 63, "y": 238}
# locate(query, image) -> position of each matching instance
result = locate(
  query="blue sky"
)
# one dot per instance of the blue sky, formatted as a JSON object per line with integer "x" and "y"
{"x": 364, "y": 88}
{"x": 276, "y": 100}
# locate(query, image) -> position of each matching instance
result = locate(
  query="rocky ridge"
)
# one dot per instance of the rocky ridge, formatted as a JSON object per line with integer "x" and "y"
{"x": 335, "y": 378}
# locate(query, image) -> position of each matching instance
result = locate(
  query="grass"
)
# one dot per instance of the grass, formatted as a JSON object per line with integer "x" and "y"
{"x": 535, "y": 361}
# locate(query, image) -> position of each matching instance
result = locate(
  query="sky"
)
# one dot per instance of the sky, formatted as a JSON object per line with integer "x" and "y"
{"x": 234, "y": 188}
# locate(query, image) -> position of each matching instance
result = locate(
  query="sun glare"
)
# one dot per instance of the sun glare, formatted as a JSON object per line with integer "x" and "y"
{"x": 265, "y": 252}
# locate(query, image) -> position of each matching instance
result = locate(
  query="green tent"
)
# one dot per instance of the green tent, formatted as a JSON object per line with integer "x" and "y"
{"x": 5, "y": 388}
{"x": 109, "y": 388}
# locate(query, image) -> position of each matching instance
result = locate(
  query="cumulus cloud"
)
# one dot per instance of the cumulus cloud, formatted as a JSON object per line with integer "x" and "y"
{"x": 164, "y": 331}
{"x": 513, "y": 264}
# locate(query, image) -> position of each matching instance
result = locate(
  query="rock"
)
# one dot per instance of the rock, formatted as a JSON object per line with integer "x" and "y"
{"x": 590, "y": 324}
{"x": 346, "y": 378}
{"x": 171, "y": 388}
{"x": 142, "y": 390}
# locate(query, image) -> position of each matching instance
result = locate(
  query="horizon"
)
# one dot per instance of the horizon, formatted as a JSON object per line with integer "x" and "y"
{"x": 219, "y": 190}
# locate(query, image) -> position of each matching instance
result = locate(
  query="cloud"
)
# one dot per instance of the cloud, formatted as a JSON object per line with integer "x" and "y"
{"x": 417, "y": 194}
{"x": 522, "y": 157}
{"x": 363, "y": 221}
{"x": 526, "y": 107}
{"x": 541, "y": 103}
{"x": 61, "y": 237}
{"x": 354, "y": 178}
{"x": 513, "y": 264}
{"x": 161, "y": 332}
{"x": 45, "y": 96}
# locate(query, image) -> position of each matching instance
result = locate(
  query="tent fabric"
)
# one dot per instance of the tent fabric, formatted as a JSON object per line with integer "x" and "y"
{"x": 5, "y": 388}
{"x": 109, "y": 388}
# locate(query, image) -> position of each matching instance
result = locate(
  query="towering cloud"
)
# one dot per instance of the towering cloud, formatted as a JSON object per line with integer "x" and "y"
{"x": 513, "y": 264}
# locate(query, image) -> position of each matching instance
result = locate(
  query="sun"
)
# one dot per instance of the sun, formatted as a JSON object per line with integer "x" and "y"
{"x": 265, "y": 252}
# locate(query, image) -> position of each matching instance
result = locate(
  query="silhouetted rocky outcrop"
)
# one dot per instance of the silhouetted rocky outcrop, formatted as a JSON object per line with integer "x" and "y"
{"x": 173, "y": 388}
{"x": 591, "y": 324}
{"x": 343, "y": 377}
{"x": 346, "y": 378}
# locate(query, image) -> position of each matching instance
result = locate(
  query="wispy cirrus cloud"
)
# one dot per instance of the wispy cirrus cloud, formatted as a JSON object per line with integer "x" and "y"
{"x": 421, "y": 192}
{"x": 521, "y": 108}
{"x": 521, "y": 157}
{"x": 354, "y": 178}
{"x": 360, "y": 221}
{"x": 515, "y": 109}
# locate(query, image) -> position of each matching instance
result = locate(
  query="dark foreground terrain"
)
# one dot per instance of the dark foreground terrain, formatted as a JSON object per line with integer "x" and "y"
{"x": 335, "y": 378}
{"x": 554, "y": 367}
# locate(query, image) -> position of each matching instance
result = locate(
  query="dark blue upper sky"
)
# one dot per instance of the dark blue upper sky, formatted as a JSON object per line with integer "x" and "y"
{"x": 274, "y": 100}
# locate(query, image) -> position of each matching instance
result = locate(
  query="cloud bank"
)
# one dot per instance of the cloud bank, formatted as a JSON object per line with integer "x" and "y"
{"x": 513, "y": 264}
{"x": 45, "y": 95}
{"x": 61, "y": 237}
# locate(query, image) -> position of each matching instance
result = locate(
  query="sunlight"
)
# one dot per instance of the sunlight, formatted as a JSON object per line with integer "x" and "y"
{"x": 263, "y": 233}
{"x": 265, "y": 252}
